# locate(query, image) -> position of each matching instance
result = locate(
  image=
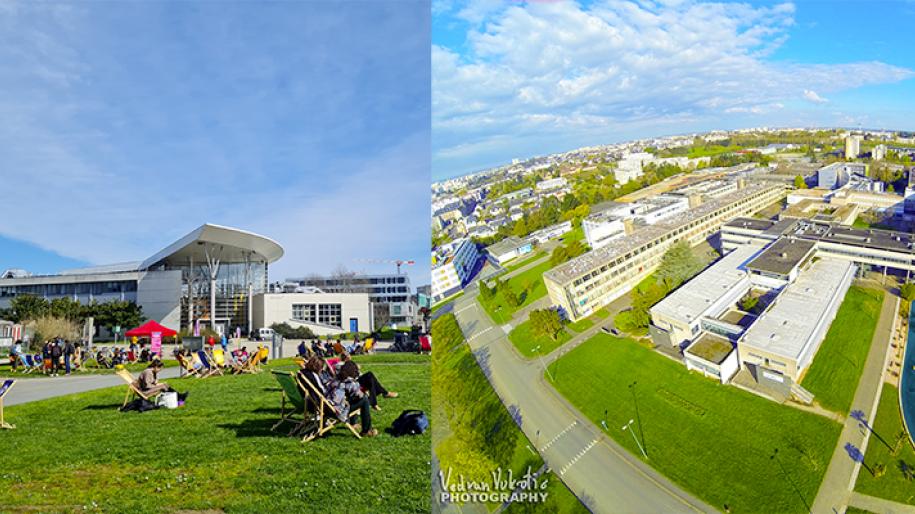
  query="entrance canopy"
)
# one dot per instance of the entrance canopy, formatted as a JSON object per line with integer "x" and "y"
{"x": 225, "y": 243}
{"x": 146, "y": 330}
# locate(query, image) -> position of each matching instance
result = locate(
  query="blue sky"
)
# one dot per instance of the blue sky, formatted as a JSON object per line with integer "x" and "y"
{"x": 517, "y": 79}
{"x": 126, "y": 126}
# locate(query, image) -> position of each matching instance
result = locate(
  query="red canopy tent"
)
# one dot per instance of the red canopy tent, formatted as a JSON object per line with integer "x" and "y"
{"x": 146, "y": 330}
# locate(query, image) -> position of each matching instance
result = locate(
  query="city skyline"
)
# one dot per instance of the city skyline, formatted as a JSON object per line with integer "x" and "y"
{"x": 508, "y": 84}
{"x": 130, "y": 126}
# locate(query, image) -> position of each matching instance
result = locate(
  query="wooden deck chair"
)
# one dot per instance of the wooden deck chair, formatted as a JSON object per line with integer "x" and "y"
{"x": 189, "y": 369}
{"x": 211, "y": 368}
{"x": 299, "y": 414}
{"x": 369, "y": 345}
{"x": 132, "y": 388}
{"x": 5, "y": 388}
{"x": 299, "y": 361}
{"x": 219, "y": 358}
{"x": 322, "y": 407}
{"x": 250, "y": 365}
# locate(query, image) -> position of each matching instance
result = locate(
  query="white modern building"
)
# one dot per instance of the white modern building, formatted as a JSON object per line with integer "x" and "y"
{"x": 839, "y": 174}
{"x": 551, "y": 184}
{"x": 507, "y": 249}
{"x": 209, "y": 276}
{"x": 323, "y": 313}
{"x": 391, "y": 291}
{"x": 603, "y": 227}
{"x": 852, "y": 146}
{"x": 878, "y": 153}
{"x": 452, "y": 266}
{"x": 552, "y": 232}
{"x": 630, "y": 166}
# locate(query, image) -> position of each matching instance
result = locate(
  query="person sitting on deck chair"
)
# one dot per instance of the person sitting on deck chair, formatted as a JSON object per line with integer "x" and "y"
{"x": 148, "y": 381}
{"x": 347, "y": 388}
{"x": 367, "y": 381}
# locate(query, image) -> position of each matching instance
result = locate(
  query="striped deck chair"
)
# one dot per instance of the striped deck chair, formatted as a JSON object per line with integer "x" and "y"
{"x": 25, "y": 362}
{"x": 326, "y": 414}
{"x": 208, "y": 365}
{"x": 187, "y": 366}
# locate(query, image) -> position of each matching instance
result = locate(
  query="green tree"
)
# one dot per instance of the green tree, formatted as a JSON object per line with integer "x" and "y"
{"x": 27, "y": 307}
{"x": 67, "y": 308}
{"x": 749, "y": 302}
{"x": 509, "y": 295}
{"x": 799, "y": 182}
{"x": 486, "y": 292}
{"x": 546, "y": 323}
{"x": 678, "y": 265}
{"x": 907, "y": 291}
{"x": 125, "y": 314}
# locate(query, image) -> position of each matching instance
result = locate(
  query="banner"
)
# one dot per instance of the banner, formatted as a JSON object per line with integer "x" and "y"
{"x": 156, "y": 343}
{"x": 196, "y": 328}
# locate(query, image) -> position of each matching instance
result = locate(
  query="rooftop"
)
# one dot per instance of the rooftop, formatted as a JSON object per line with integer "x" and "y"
{"x": 565, "y": 273}
{"x": 787, "y": 327}
{"x": 506, "y": 245}
{"x": 691, "y": 300}
{"x": 710, "y": 347}
{"x": 782, "y": 256}
{"x": 750, "y": 223}
{"x": 866, "y": 238}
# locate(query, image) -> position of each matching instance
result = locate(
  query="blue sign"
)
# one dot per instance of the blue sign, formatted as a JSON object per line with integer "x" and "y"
{"x": 6, "y": 387}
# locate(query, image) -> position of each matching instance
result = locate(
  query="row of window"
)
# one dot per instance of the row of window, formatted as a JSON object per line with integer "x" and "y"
{"x": 322, "y": 313}
{"x": 86, "y": 288}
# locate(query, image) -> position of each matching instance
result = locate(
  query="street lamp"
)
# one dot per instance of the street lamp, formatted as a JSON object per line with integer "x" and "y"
{"x": 635, "y": 402}
{"x": 634, "y": 438}
{"x": 547, "y": 370}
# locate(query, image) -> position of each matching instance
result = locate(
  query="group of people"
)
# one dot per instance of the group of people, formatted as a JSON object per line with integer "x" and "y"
{"x": 323, "y": 348}
{"x": 234, "y": 360}
{"x": 347, "y": 388}
{"x": 56, "y": 355}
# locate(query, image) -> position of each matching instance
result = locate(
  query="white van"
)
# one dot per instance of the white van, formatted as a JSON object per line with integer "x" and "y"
{"x": 264, "y": 334}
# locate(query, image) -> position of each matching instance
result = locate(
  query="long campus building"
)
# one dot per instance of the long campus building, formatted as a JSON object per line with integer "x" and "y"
{"x": 588, "y": 282}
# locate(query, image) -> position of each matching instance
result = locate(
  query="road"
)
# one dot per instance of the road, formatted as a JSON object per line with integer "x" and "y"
{"x": 836, "y": 489}
{"x": 34, "y": 389}
{"x": 601, "y": 473}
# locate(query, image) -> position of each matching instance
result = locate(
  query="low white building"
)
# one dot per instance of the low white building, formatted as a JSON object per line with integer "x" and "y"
{"x": 552, "y": 232}
{"x": 655, "y": 209}
{"x": 713, "y": 356}
{"x": 551, "y": 184}
{"x": 507, "y": 249}
{"x": 323, "y": 313}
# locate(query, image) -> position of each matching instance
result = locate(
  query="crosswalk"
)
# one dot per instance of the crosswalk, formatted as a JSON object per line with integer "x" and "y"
{"x": 558, "y": 436}
{"x": 577, "y": 457}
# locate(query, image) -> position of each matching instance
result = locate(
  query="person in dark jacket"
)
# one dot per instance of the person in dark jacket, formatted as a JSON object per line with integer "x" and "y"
{"x": 56, "y": 352}
{"x": 367, "y": 381}
{"x": 68, "y": 354}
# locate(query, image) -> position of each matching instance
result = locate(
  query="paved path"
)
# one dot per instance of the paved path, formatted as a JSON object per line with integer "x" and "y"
{"x": 601, "y": 473}
{"x": 34, "y": 389}
{"x": 835, "y": 490}
{"x": 873, "y": 504}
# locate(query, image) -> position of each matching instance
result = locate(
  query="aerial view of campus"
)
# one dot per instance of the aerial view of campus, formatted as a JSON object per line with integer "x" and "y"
{"x": 714, "y": 320}
{"x": 211, "y": 222}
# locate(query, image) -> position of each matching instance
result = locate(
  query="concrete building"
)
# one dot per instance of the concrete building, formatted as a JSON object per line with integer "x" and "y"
{"x": 323, "y": 313}
{"x": 551, "y": 184}
{"x": 507, "y": 249}
{"x": 838, "y": 174}
{"x": 602, "y": 228}
{"x": 654, "y": 210}
{"x": 552, "y": 232}
{"x": 209, "y": 275}
{"x": 878, "y": 153}
{"x": 452, "y": 266}
{"x": 713, "y": 356}
{"x": 588, "y": 282}
{"x": 852, "y": 146}
{"x": 391, "y": 291}
{"x": 630, "y": 166}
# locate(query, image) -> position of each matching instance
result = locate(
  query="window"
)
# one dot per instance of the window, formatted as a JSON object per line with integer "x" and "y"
{"x": 304, "y": 312}
{"x": 330, "y": 314}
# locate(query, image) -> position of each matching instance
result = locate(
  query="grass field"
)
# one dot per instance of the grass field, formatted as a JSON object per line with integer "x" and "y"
{"x": 833, "y": 375}
{"x": 525, "y": 341}
{"x": 474, "y": 433}
{"x": 215, "y": 454}
{"x": 576, "y": 234}
{"x": 892, "y": 485}
{"x": 524, "y": 261}
{"x": 586, "y": 323}
{"x": 714, "y": 440}
{"x": 530, "y": 283}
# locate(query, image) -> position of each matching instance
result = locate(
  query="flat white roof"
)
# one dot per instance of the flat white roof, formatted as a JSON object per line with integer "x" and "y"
{"x": 787, "y": 327}
{"x": 693, "y": 298}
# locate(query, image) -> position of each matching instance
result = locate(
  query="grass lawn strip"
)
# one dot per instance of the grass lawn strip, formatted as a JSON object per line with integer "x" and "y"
{"x": 216, "y": 453}
{"x": 833, "y": 375}
{"x": 892, "y": 485}
{"x": 529, "y": 283}
{"x": 525, "y": 341}
{"x": 714, "y": 440}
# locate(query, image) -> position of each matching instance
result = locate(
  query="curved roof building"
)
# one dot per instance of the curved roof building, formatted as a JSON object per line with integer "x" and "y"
{"x": 207, "y": 276}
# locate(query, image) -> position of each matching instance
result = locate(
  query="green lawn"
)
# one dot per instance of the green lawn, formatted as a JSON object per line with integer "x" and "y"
{"x": 833, "y": 375}
{"x": 215, "y": 454}
{"x": 525, "y": 261}
{"x": 576, "y": 234}
{"x": 714, "y": 440}
{"x": 528, "y": 285}
{"x": 892, "y": 485}
{"x": 525, "y": 341}
{"x": 586, "y": 323}
{"x": 474, "y": 433}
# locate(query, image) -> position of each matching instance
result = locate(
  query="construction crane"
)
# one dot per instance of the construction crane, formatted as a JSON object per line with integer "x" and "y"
{"x": 398, "y": 262}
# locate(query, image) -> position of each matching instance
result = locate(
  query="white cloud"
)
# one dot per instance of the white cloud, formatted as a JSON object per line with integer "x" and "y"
{"x": 539, "y": 70}
{"x": 812, "y": 96}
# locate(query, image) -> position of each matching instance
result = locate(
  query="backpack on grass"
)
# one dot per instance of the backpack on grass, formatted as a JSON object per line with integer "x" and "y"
{"x": 410, "y": 422}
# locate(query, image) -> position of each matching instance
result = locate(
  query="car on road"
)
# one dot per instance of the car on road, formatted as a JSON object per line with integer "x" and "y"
{"x": 610, "y": 329}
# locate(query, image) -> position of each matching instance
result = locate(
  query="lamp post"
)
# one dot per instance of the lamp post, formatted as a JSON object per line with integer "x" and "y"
{"x": 638, "y": 417}
{"x": 628, "y": 426}
{"x": 774, "y": 457}
{"x": 534, "y": 351}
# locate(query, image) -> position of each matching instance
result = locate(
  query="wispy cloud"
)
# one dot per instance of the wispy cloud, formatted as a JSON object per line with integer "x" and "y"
{"x": 127, "y": 125}
{"x": 543, "y": 73}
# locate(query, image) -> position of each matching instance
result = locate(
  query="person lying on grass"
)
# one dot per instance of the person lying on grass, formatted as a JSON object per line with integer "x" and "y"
{"x": 344, "y": 393}
{"x": 367, "y": 381}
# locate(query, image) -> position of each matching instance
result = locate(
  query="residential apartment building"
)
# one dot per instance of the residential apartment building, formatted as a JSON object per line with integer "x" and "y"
{"x": 452, "y": 266}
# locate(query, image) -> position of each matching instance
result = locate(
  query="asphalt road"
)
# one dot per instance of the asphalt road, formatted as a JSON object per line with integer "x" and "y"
{"x": 605, "y": 476}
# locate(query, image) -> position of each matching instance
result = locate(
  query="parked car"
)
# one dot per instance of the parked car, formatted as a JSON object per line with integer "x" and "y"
{"x": 610, "y": 329}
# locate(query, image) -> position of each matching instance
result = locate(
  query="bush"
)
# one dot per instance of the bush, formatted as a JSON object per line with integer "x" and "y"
{"x": 48, "y": 327}
{"x": 288, "y": 332}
